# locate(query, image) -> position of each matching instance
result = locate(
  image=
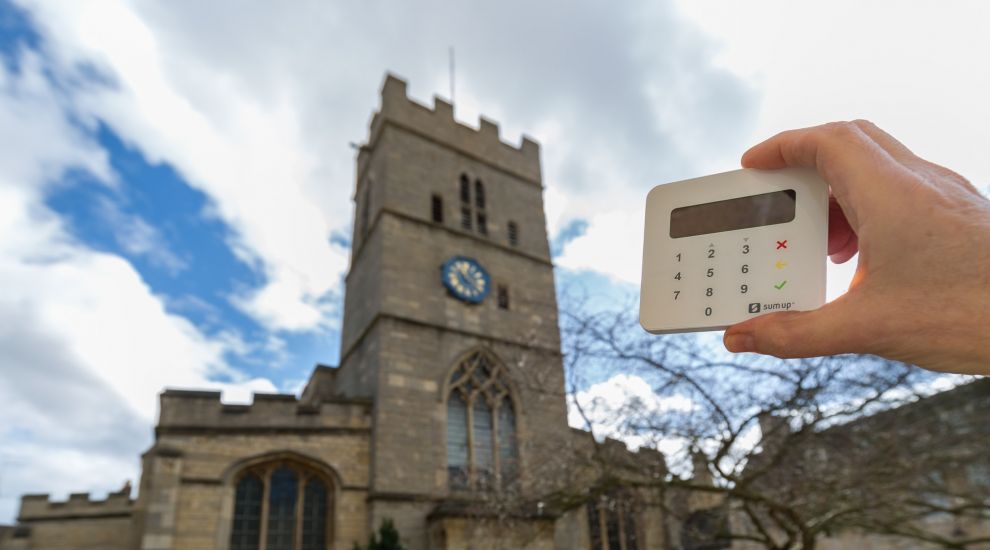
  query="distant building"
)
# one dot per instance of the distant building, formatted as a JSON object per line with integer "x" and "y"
{"x": 915, "y": 476}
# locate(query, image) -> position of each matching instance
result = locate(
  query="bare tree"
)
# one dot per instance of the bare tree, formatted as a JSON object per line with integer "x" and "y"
{"x": 779, "y": 454}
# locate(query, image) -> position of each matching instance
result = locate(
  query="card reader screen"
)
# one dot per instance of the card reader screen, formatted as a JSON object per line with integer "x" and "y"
{"x": 733, "y": 214}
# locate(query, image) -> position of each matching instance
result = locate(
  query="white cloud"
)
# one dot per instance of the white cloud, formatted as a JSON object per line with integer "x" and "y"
{"x": 255, "y": 108}
{"x": 247, "y": 154}
{"x": 85, "y": 346}
{"x": 137, "y": 237}
{"x": 912, "y": 70}
{"x": 612, "y": 408}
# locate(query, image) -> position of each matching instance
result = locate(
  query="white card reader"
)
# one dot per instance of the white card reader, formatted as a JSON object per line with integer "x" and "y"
{"x": 721, "y": 249}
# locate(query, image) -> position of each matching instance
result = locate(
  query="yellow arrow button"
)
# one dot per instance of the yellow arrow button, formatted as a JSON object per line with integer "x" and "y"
{"x": 781, "y": 264}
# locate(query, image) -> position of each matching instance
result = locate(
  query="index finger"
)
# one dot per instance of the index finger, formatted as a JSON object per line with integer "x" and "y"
{"x": 841, "y": 152}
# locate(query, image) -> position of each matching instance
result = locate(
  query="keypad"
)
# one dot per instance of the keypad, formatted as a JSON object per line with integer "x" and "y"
{"x": 739, "y": 273}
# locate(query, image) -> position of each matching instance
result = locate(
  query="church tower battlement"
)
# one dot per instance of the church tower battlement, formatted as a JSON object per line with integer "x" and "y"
{"x": 438, "y": 124}
{"x": 41, "y": 507}
{"x": 194, "y": 411}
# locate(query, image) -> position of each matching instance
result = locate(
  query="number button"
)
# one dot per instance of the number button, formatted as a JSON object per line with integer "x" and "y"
{"x": 709, "y": 291}
{"x": 711, "y": 252}
{"x": 745, "y": 249}
{"x": 708, "y": 312}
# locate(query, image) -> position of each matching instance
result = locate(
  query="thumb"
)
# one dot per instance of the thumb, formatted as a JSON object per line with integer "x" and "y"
{"x": 828, "y": 330}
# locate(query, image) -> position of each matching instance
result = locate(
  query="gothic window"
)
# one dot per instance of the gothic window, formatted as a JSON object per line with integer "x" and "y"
{"x": 481, "y": 426}
{"x": 465, "y": 190}
{"x": 612, "y": 522}
{"x": 479, "y": 194}
{"x": 513, "y": 234}
{"x": 473, "y": 214}
{"x": 280, "y": 505}
{"x": 247, "y": 513}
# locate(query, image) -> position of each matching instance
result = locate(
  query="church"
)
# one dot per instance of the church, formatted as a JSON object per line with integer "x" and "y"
{"x": 446, "y": 415}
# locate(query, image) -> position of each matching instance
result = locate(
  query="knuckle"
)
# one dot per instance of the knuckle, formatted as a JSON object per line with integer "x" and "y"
{"x": 863, "y": 124}
{"x": 844, "y": 129}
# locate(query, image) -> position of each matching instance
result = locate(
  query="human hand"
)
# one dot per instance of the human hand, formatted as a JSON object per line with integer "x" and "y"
{"x": 921, "y": 292}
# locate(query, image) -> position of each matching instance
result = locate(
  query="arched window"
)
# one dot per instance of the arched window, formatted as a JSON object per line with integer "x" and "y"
{"x": 481, "y": 426}
{"x": 612, "y": 521}
{"x": 479, "y": 202}
{"x": 281, "y": 505}
{"x": 706, "y": 530}
{"x": 465, "y": 190}
{"x": 479, "y": 194}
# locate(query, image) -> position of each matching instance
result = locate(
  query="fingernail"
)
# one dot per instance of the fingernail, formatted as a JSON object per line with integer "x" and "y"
{"x": 740, "y": 343}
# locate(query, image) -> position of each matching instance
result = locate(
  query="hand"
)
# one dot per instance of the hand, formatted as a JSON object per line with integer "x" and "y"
{"x": 921, "y": 292}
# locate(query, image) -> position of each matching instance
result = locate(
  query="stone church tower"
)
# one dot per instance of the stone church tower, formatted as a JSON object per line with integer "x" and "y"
{"x": 439, "y": 205}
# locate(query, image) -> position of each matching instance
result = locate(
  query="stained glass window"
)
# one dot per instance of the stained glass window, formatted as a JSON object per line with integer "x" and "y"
{"x": 507, "y": 440}
{"x": 297, "y": 511}
{"x": 314, "y": 529}
{"x": 484, "y": 459}
{"x": 481, "y": 425}
{"x": 457, "y": 441}
{"x": 247, "y": 514}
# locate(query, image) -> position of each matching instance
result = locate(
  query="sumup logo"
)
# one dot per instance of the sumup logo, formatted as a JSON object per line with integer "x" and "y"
{"x": 757, "y": 307}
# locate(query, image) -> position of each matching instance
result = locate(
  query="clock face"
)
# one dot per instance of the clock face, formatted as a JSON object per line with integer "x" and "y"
{"x": 465, "y": 279}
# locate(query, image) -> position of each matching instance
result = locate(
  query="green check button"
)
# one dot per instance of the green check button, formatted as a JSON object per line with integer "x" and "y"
{"x": 780, "y": 285}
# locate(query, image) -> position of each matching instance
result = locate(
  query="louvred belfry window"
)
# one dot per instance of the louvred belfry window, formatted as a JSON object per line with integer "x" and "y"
{"x": 281, "y": 505}
{"x": 481, "y": 426}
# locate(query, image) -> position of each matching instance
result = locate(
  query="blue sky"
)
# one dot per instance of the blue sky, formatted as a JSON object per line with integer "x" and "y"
{"x": 176, "y": 179}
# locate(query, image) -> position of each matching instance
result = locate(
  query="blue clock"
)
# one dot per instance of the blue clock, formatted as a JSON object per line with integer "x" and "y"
{"x": 465, "y": 279}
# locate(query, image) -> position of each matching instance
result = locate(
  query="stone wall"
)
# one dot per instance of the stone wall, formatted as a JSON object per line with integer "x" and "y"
{"x": 80, "y": 523}
{"x": 202, "y": 444}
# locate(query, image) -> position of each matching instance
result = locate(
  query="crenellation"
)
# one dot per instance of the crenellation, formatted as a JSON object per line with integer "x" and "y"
{"x": 182, "y": 410}
{"x": 487, "y": 127}
{"x": 322, "y": 385}
{"x": 438, "y": 124}
{"x": 443, "y": 108}
{"x": 41, "y": 506}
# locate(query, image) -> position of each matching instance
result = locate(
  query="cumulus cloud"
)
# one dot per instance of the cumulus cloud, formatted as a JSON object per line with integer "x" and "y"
{"x": 255, "y": 106}
{"x": 615, "y": 407}
{"x": 85, "y": 346}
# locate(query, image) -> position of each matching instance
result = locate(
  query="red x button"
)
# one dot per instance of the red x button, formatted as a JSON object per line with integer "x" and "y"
{"x": 782, "y": 244}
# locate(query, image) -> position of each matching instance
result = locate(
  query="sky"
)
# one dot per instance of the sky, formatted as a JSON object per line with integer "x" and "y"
{"x": 176, "y": 177}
